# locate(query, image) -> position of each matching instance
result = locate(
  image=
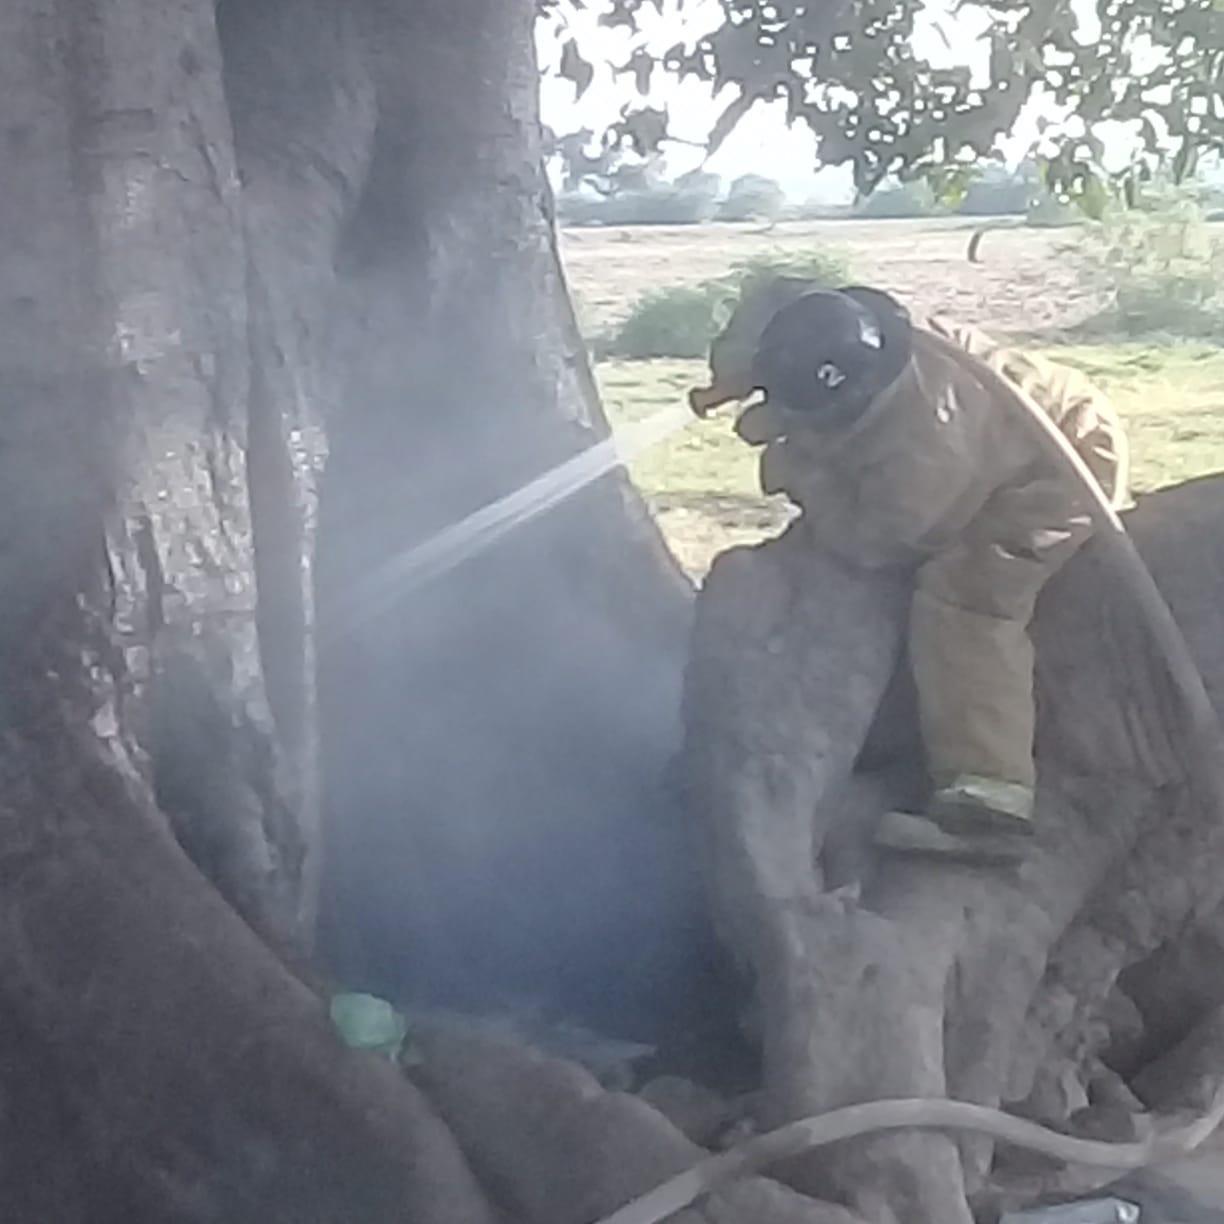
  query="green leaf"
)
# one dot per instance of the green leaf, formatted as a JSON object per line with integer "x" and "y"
{"x": 365, "y": 1022}
{"x": 642, "y": 65}
{"x": 620, "y": 15}
{"x": 1091, "y": 196}
{"x": 645, "y": 129}
{"x": 575, "y": 68}
{"x": 855, "y": 75}
{"x": 950, "y": 187}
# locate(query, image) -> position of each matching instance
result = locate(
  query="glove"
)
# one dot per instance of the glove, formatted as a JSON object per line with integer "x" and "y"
{"x": 760, "y": 423}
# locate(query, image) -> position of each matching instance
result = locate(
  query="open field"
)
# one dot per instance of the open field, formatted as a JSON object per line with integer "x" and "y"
{"x": 702, "y": 483}
{"x": 1023, "y": 284}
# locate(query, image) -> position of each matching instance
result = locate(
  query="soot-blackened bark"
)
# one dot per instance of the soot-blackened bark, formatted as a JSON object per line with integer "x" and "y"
{"x": 939, "y": 980}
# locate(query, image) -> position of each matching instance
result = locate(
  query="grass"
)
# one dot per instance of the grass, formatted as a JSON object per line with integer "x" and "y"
{"x": 1172, "y": 398}
{"x": 702, "y": 486}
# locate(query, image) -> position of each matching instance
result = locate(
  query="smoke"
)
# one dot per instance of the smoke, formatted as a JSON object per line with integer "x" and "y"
{"x": 501, "y": 703}
{"x": 380, "y": 593}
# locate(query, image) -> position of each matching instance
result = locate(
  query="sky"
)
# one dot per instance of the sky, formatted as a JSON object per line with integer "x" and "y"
{"x": 763, "y": 143}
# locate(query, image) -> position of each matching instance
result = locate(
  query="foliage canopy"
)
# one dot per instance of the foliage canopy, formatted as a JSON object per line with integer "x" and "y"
{"x": 849, "y": 70}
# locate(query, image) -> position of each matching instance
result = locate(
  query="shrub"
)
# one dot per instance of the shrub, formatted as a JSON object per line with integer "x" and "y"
{"x": 895, "y": 201}
{"x": 829, "y": 269}
{"x": 681, "y": 321}
{"x": 675, "y": 322}
{"x": 1047, "y": 211}
{"x": 818, "y": 210}
{"x": 580, "y": 208}
{"x": 690, "y": 200}
{"x": 996, "y": 192}
{"x": 753, "y": 197}
{"x": 702, "y": 188}
{"x": 1164, "y": 271}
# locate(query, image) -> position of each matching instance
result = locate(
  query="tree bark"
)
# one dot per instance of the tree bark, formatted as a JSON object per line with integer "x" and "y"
{"x": 223, "y": 232}
{"x": 239, "y": 242}
{"x": 944, "y": 980}
{"x": 495, "y": 737}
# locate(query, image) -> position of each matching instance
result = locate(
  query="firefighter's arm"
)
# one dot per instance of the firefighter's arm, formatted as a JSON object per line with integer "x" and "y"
{"x": 733, "y": 349}
{"x": 1044, "y": 520}
{"x": 834, "y": 515}
{"x": 1082, "y": 412}
{"x": 703, "y": 400}
{"x": 731, "y": 356}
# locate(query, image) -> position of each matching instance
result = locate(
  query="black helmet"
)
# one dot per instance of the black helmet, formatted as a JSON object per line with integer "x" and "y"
{"x": 826, "y": 356}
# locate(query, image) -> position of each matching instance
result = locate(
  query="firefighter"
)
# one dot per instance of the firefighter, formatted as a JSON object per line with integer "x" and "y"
{"x": 898, "y": 454}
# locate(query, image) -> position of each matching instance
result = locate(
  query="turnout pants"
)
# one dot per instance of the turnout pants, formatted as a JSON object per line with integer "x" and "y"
{"x": 970, "y": 649}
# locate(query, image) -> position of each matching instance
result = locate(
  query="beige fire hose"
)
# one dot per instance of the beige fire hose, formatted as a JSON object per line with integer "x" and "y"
{"x": 1203, "y": 723}
{"x": 872, "y": 1117}
{"x": 920, "y": 1113}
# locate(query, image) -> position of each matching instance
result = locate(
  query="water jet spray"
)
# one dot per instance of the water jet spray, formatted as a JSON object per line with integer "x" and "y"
{"x": 471, "y": 535}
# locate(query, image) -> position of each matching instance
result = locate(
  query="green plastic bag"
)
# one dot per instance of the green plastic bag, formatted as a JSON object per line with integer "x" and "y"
{"x": 365, "y": 1022}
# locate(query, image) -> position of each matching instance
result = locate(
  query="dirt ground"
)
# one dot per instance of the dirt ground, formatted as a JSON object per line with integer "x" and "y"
{"x": 1024, "y": 284}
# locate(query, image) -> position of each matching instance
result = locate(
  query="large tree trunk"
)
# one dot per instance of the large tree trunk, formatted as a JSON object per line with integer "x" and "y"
{"x": 939, "y": 980}
{"x": 240, "y": 241}
{"x": 222, "y": 228}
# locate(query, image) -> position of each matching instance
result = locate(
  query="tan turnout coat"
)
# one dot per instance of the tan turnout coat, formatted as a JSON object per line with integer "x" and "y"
{"x": 936, "y": 473}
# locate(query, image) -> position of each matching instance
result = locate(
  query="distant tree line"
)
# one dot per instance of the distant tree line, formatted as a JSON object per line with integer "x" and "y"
{"x": 606, "y": 188}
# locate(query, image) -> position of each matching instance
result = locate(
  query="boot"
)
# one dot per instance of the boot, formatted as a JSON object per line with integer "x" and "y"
{"x": 906, "y": 833}
{"x": 972, "y": 803}
{"x": 973, "y": 820}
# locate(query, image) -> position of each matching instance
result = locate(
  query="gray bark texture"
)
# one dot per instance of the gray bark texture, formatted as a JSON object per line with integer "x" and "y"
{"x": 280, "y": 299}
{"x": 488, "y": 729}
{"x": 229, "y": 232}
{"x": 884, "y": 977}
